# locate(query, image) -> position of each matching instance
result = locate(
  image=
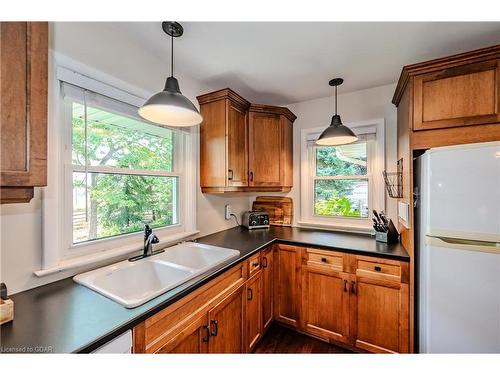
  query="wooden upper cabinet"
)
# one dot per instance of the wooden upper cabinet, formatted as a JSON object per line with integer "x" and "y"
{"x": 23, "y": 109}
{"x": 223, "y": 140}
{"x": 270, "y": 146}
{"x": 459, "y": 96}
{"x": 244, "y": 147}
{"x": 449, "y": 101}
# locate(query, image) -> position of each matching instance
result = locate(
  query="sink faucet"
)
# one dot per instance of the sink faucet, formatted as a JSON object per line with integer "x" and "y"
{"x": 149, "y": 239}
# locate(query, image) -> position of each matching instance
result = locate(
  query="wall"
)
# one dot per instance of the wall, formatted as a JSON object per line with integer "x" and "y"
{"x": 98, "y": 48}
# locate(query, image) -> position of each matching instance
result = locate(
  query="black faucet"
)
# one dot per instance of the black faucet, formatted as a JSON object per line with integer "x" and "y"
{"x": 149, "y": 239}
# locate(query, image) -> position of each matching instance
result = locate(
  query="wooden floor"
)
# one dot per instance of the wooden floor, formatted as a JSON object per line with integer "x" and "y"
{"x": 279, "y": 339}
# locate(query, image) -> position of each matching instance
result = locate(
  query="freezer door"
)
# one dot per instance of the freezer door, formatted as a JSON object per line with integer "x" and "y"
{"x": 462, "y": 191}
{"x": 459, "y": 298}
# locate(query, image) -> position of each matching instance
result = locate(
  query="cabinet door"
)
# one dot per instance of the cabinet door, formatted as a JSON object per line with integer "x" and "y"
{"x": 326, "y": 303}
{"x": 254, "y": 310}
{"x": 379, "y": 315}
{"x": 227, "y": 325}
{"x": 462, "y": 96}
{"x": 264, "y": 149}
{"x": 213, "y": 145}
{"x": 237, "y": 147}
{"x": 23, "y": 109}
{"x": 267, "y": 287}
{"x": 191, "y": 340}
{"x": 287, "y": 268}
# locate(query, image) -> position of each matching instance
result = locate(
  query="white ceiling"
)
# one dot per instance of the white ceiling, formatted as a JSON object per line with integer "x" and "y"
{"x": 288, "y": 62}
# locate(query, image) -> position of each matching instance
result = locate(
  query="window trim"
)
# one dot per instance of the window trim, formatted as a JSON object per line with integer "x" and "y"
{"x": 57, "y": 256}
{"x": 376, "y": 192}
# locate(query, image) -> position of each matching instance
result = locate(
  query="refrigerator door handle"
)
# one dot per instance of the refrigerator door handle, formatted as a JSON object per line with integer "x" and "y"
{"x": 470, "y": 245}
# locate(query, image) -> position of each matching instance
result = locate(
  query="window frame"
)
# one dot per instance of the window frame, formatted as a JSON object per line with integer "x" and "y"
{"x": 58, "y": 251}
{"x": 69, "y": 168}
{"x": 375, "y": 166}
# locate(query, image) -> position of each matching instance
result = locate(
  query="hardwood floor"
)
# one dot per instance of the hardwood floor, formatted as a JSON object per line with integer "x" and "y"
{"x": 279, "y": 339}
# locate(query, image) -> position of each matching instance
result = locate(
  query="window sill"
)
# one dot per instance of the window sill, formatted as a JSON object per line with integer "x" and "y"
{"x": 337, "y": 227}
{"x": 68, "y": 264}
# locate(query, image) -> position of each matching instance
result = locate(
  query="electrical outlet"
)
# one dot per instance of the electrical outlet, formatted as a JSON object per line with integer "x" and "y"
{"x": 227, "y": 211}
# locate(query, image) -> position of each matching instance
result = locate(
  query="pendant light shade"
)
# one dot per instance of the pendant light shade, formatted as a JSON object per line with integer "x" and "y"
{"x": 169, "y": 107}
{"x": 336, "y": 134}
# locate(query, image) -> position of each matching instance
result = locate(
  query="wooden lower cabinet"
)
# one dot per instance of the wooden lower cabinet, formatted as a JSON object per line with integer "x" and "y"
{"x": 379, "y": 316}
{"x": 325, "y": 303}
{"x": 226, "y": 324}
{"x": 287, "y": 264}
{"x": 192, "y": 339}
{"x": 359, "y": 302}
{"x": 254, "y": 310}
{"x": 267, "y": 287}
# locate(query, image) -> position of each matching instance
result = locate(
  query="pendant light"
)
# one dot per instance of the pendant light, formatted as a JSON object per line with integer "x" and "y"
{"x": 336, "y": 134}
{"x": 169, "y": 107}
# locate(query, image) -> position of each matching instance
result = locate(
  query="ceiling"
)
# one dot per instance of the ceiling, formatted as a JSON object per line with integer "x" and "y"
{"x": 289, "y": 62}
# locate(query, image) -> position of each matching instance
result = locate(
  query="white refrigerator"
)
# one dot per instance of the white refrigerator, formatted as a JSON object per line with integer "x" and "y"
{"x": 458, "y": 249}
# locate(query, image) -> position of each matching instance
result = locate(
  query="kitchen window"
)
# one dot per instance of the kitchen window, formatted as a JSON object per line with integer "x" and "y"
{"x": 111, "y": 173}
{"x": 341, "y": 185}
{"x": 123, "y": 170}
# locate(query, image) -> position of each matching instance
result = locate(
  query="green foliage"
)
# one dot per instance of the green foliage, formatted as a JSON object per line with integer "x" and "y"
{"x": 331, "y": 195}
{"x": 121, "y": 203}
{"x": 335, "y": 207}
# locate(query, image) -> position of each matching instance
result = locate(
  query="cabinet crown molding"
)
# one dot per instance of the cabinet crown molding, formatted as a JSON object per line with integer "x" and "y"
{"x": 263, "y": 108}
{"x": 451, "y": 61}
{"x": 226, "y": 93}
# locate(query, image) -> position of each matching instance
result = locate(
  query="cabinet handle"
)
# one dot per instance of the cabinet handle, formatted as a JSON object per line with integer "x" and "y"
{"x": 255, "y": 264}
{"x": 207, "y": 337}
{"x": 353, "y": 287}
{"x": 229, "y": 174}
{"x": 249, "y": 294}
{"x": 377, "y": 268}
{"x": 215, "y": 329}
{"x": 345, "y": 285}
{"x": 264, "y": 262}
{"x": 324, "y": 260}
{"x": 251, "y": 176}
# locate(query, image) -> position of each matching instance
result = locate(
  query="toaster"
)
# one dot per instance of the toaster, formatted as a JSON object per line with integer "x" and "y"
{"x": 255, "y": 219}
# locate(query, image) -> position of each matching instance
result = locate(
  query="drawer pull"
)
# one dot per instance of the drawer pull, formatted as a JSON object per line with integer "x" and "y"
{"x": 353, "y": 287}
{"x": 264, "y": 262}
{"x": 377, "y": 268}
{"x": 255, "y": 264}
{"x": 324, "y": 260}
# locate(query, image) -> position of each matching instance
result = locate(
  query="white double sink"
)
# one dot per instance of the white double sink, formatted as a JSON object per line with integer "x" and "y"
{"x": 134, "y": 283}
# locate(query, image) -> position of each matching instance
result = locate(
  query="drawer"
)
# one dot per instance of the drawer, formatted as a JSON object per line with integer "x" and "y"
{"x": 254, "y": 264}
{"x": 378, "y": 269}
{"x": 326, "y": 259}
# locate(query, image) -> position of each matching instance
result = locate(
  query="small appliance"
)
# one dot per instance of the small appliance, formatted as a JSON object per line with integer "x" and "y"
{"x": 255, "y": 219}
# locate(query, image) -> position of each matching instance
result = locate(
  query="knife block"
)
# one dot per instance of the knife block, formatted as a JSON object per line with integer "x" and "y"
{"x": 389, "y": 236}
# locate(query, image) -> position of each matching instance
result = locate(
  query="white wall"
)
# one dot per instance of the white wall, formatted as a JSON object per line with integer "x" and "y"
{"x": 100, "y": 48}
{"x": 355, "y": 106}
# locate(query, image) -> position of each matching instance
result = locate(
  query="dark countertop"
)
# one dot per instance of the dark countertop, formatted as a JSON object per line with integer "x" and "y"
{"x": 64, "y": 317}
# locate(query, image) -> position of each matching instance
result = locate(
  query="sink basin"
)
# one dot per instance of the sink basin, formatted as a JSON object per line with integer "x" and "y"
{"x": 134, "y": 283}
